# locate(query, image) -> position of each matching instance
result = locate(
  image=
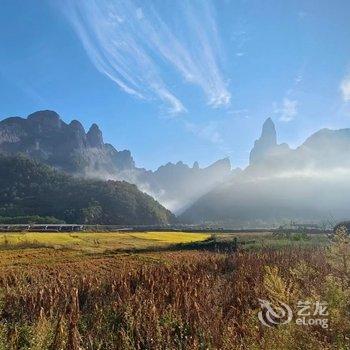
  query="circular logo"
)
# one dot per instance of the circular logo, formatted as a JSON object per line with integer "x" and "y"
{"x": 273, "y": 315}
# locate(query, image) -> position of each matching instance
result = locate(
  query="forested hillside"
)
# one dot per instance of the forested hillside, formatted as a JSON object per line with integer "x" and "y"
{"x": 30, "y": 188}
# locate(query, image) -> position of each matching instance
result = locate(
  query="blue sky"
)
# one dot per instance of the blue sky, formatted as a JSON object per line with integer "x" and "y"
{"x": 179, "y": 80}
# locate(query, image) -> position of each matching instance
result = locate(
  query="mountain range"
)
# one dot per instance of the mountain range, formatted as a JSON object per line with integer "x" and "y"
{"x": 324, "y": 150}
{"x": 45, "y": 137}
{"x": 307, "y": 184}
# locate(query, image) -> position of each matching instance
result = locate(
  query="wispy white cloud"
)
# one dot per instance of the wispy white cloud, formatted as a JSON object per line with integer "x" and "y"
{"x": 208, "y": 131}
{"x": 136, "y": 47}
{"x": 139, "y": 13}
{"x": 298, "y": 79}
{"x": 241, "y": 113}
{"x": 287, "y": 110}
{"x": 345, "y": 88}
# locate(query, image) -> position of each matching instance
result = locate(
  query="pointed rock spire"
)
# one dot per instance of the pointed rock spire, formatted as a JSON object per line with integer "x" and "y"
{"x": 268, "y": 134}
{"x": 266, "y": 142}
{"x": 94, "y": 136}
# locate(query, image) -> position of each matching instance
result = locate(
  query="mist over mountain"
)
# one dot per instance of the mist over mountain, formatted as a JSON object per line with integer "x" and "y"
{"x": 324, "y": 150}
{"x": 45, "y": 137}
{"x": 30, "y": 188}
{"x": 307, "y": 184}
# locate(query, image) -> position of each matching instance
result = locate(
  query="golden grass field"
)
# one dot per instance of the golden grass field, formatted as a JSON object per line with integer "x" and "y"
{"x": 98, "y": 241}
{"x": 83, "y": 290}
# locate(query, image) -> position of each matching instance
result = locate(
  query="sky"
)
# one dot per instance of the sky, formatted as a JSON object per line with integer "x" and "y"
{"x": 171, "y": 80}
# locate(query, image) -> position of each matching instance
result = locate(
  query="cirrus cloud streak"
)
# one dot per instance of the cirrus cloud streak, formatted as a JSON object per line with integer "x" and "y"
{"x": 143, "y": 50}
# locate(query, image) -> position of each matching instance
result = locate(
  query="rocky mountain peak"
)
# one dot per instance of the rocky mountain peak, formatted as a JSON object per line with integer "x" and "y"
{"x": 45, "y": 137}
{"x": 266, "y": 142}
{"x": 268, "y": 134}
{"x": 47, "y": 115}
{"x": 77, "y": 137}
{"x": 94, "y": 136}
{"x": 75, "y": 124}
{"x": 45, "y": 120}
{"x": 223, "y": 163}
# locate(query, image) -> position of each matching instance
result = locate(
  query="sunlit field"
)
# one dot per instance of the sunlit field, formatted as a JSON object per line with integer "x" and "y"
{"x": 97, "y": 240}
{"x": 59, "y": 296}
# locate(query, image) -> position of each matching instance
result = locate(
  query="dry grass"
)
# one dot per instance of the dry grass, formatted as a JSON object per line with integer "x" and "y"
{"x": 65, "y": 299}
{"x": 97, "y": 241}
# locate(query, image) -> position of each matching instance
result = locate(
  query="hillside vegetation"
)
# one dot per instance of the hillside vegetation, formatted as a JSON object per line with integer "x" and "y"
{"x": 30, "y": 188}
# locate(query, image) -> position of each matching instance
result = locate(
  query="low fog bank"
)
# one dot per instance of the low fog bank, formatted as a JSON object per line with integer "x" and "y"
{"x": 309, "y": 184}
{"x": 308, "y": 196}
{"x": 175, "y": 186}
